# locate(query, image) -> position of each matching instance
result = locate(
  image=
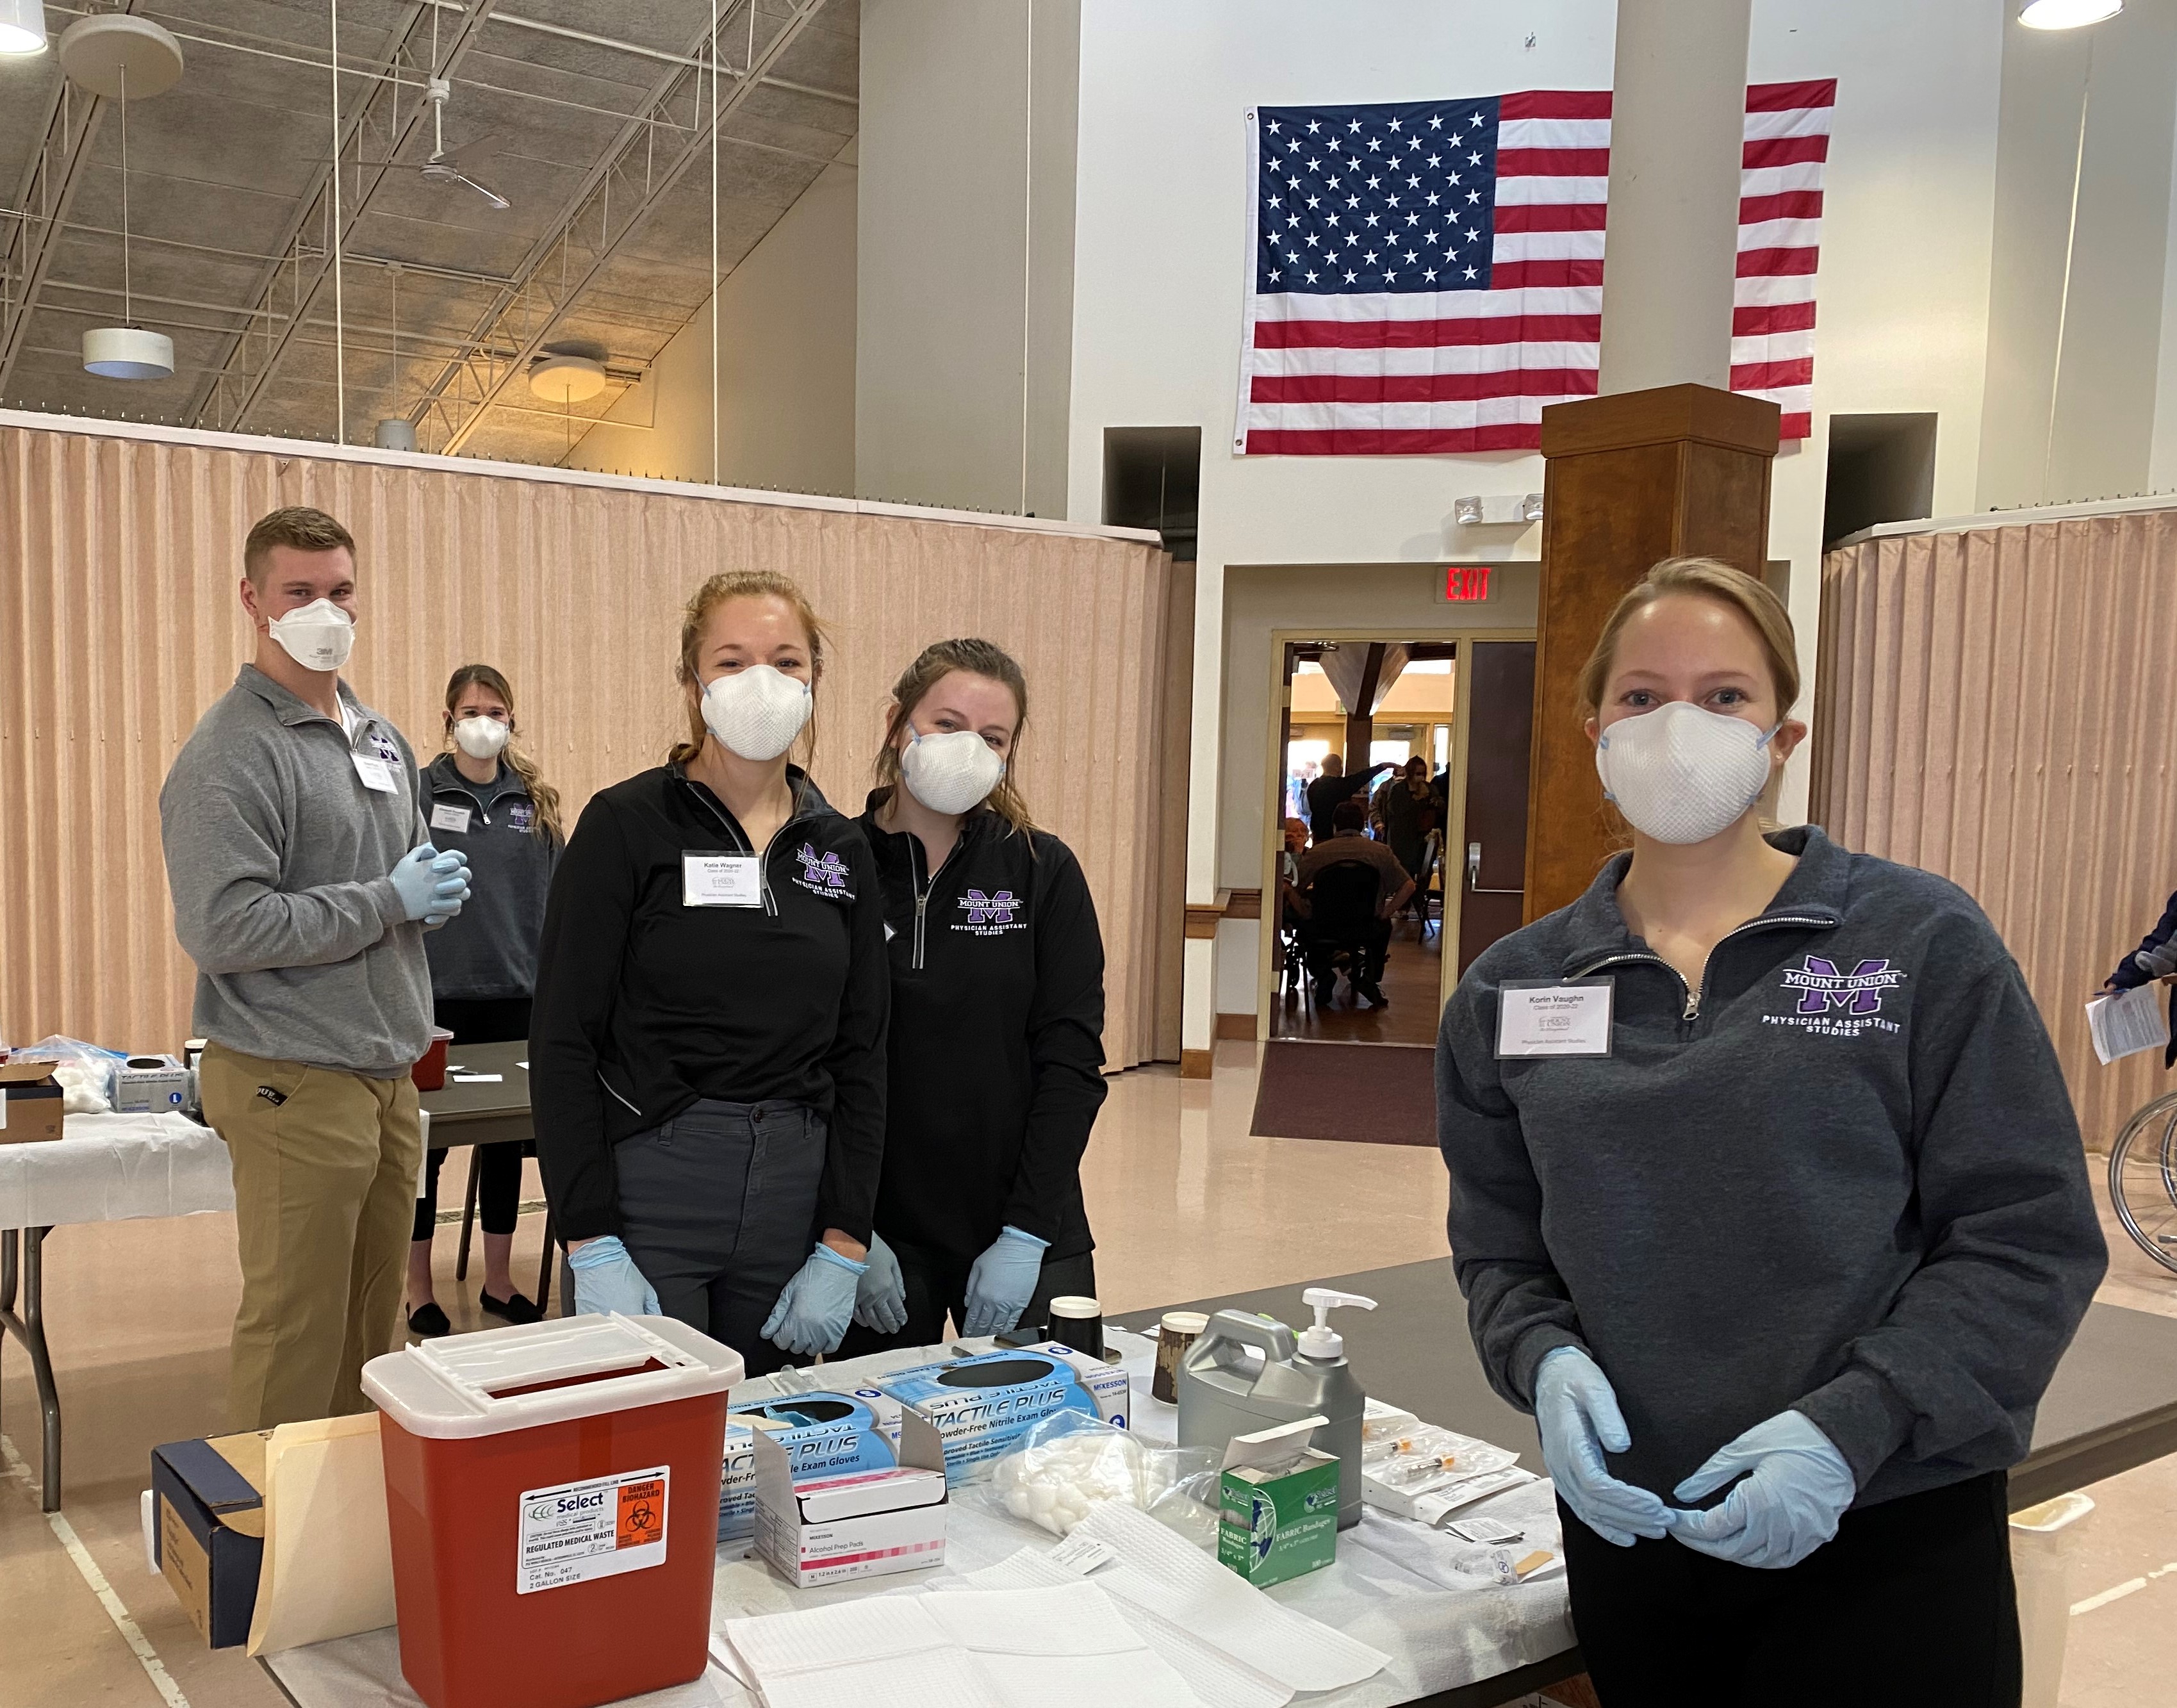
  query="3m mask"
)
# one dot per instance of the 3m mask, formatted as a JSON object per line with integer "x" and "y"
{"x": 318, "y": 636}
{"x": 757, "y": 713}
{"x": 1682, "y": 774}
{"x": 481, "y": 738}
{"x": 953, "y": 771}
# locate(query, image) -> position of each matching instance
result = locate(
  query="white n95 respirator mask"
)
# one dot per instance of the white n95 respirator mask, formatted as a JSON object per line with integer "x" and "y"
{"x": 757, "y": 713}
{"x": 1683, "y": 774}
{"x": 953, "y": 771}
{"x": 318, "y": 636}
{"x": 481, "y": 738}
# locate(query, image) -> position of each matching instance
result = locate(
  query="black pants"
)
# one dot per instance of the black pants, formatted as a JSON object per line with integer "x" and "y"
{"x": 718, "y": 1210}
{"x": 1368, "y": 966}
{"x": 481, "y": 1020}
{"x": 937, "y": 1282}
{"x": 1911, "y": 1602}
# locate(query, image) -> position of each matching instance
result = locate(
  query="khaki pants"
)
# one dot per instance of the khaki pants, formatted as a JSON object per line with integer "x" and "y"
{"x": 325, "y": 1167}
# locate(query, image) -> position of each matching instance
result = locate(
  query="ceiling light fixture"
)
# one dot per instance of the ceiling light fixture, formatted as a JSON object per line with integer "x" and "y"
{"x": 2066, "y": 14}
{"x": 99, "y": 53}
{"x": 563, "y": 377}
{"x": 22, "y": 26}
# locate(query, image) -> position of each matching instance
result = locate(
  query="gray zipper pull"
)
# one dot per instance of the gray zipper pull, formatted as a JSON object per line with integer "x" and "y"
{"x": 1692, "y": 1004}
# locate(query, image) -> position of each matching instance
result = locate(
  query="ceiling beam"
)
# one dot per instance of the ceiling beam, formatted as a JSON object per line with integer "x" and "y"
{"x": 532, "y": 334}
{"x": 251, "y": 362}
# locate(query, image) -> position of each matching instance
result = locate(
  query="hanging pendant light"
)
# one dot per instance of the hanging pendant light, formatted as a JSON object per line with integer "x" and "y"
{"x": 22, "y": 26}
{"x": 2066, "y": 14}
{"x": 116, "y": 56}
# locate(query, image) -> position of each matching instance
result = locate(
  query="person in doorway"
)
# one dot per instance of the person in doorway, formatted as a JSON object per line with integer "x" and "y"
{"x": 1775, "y": 1216}
{"x": 996, "y": 960}
{"x": 708, "y": 1038}
{"x": 486, "y": 798}
{"x": 1342, "y": 911}
{"x": 1333, "y": 786}
{"x": 1406, "y": 813}
{"x": 302, "y": 881}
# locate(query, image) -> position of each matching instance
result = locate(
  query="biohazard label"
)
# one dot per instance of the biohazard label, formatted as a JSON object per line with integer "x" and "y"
{"x": 596, "y": 1528}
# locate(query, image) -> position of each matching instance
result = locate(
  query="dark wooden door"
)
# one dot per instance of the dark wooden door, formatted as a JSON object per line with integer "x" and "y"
{"x": 1500, "y": 725}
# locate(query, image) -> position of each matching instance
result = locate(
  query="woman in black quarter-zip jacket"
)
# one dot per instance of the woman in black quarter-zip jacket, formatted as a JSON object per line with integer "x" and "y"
{"x": 996, "y": 1054}
{"x": 708, "y": 1039}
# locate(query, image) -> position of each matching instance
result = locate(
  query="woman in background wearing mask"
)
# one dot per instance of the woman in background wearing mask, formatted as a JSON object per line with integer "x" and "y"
{"x": 708, "y": 1046}
{"x": 1784, "y": 1210}
{"x": 997, "y": 1018}
{"x": 485, "y": 797}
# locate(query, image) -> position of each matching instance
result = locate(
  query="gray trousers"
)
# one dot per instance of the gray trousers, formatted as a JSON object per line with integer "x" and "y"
{"x": 718, "y": 1210}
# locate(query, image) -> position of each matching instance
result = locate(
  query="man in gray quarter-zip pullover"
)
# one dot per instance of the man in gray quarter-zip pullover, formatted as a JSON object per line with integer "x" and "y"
{"x": 292, "y": 835}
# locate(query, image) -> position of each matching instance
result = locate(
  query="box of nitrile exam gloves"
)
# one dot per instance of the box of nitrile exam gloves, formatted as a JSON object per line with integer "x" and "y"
{"x": 981, "y": 1406}
{"x": 1277, "y": 1500}
{"x": 208, "y": 1541}
{"x": 867, "y": 1523}
{"x": 822, "y": 1434}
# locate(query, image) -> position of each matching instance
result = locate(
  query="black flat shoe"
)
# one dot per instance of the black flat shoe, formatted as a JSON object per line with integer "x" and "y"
{"x": 428, "y": 1319}
{"x": 515, "y": 1309}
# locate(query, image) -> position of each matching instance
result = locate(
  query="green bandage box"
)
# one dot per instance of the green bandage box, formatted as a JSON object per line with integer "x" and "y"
{"x": 1278, "y": 1504}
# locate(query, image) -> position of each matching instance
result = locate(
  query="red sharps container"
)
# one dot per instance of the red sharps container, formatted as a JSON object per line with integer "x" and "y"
{"x": 552, "y": 1491}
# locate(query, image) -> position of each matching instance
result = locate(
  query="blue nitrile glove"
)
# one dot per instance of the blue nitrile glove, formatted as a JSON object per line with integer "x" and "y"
{"x": 1576, "y": 1411}
{"x": 1798, "y": 1487}
{"x": 607, "y": 1280}
{"x": 1003, "y": 1281}
{"x": 432, "y": 886}
{"x": 881, "y": 1295}
{"x": 812, "y": 1314}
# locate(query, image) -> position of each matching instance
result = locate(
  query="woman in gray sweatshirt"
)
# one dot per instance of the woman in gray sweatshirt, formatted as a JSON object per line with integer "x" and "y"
{"x": 486, "y": 797}
{"x": 1768, "y": 1201}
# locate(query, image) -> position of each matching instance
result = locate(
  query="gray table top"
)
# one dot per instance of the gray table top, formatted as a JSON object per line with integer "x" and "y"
{"x": 507, "y": 1099}
{"x": 2111, "y": 1406}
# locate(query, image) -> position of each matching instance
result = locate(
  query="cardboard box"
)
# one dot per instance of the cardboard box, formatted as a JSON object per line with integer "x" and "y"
{"x": 151, "y": 1084}
{"x": 211, "y": 1530}
{"x": 822, "y": 1434}
{"x": 1277, "y": 1500}
{"x": 981, "y": 1406}
{"x": 30, "y": 1102}
{"x": 869, "y": 1524}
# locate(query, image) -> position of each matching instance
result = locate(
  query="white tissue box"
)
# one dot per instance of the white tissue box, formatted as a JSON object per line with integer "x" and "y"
{"x": 827, "y": 1529}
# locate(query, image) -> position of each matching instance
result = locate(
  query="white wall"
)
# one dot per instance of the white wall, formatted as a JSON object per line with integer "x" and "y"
{"x": 1159, "y": 268}
{"x": 786, "y": 376}
{"x": 964, "y": 287}
{"x": 2078, "y": 424}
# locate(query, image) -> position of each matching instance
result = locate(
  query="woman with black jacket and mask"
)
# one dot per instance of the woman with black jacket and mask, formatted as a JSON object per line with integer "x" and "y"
{"x": 709, "y": 1029}
{"x": 997, "y": 1019}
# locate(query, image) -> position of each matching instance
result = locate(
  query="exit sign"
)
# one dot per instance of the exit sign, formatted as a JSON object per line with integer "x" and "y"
{"x": 1466, "y": 584}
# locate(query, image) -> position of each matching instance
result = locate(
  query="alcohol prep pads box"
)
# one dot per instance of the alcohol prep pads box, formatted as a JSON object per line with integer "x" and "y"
{"x": 860, "y": 1524}
{"x": 822, "y": 1435}
{"x": 981, "y": 1406}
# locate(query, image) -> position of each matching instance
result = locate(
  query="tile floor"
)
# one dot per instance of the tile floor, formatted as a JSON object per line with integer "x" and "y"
{"x": 1185, "y": 1203}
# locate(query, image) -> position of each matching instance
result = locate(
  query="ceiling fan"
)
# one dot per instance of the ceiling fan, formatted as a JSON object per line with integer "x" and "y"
{"x": 445, "y": 165}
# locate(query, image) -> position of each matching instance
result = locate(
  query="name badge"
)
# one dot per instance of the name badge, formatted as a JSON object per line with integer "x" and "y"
{"x": 455, "y": 818}
{"x": 1545, "y": 1016}
{"x": 375, "y": 773}
{"x": 721, "y": 881}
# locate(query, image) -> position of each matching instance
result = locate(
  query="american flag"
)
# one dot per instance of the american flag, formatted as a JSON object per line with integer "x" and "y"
{"x": 1426, "y": 275}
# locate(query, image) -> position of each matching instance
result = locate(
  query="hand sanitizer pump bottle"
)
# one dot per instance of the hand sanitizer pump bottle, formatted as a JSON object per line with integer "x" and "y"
{"x": 1321, "y": 1361}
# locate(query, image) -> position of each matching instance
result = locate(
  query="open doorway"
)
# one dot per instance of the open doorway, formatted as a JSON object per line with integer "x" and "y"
{"x": 1363, "y": 795}
{"x": 1444, "y": 722}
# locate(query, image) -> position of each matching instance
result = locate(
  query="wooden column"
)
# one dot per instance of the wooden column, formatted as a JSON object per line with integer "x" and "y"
{"x": 1628, "y": 479}
{"x": 1360, "y": 721}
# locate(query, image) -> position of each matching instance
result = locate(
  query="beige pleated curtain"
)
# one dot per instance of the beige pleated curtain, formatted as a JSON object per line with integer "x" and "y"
{"x": 1999, "y": 705}
{"x": 118, "y": 624}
